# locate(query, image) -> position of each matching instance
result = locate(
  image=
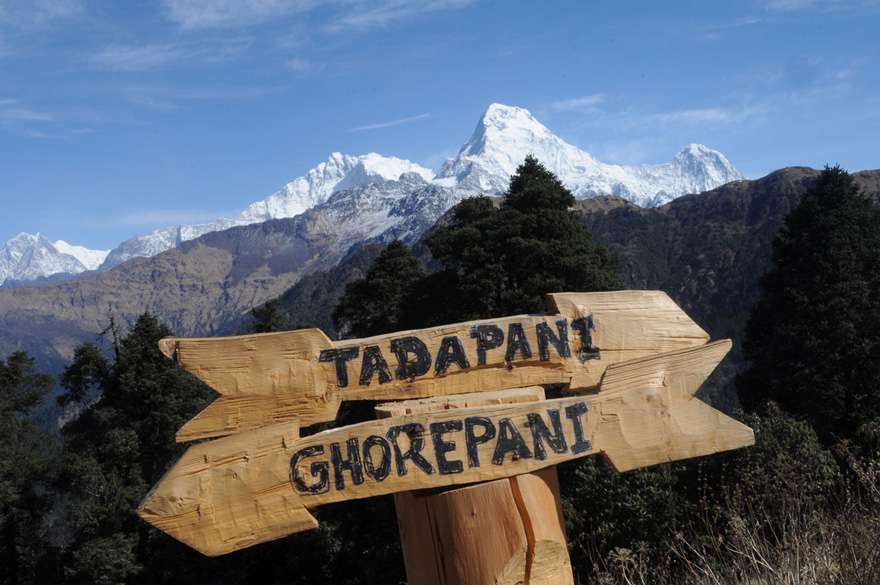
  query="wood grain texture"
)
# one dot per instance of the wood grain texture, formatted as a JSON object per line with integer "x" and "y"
{"x": 507, "y": 531}
{"x": 456, "y": 401}
{"x": 239, "y": 490}
{"x": 274, "y": 377}
{"x": 627, "y": 324}
{"x": 222, "y": 497}
{"x": 262, "y": 379}
{"x": 485, "y": 533}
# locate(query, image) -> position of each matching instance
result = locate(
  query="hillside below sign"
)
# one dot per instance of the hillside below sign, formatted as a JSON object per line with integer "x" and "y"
{"x": 304, "y": 376}
{"x": 638, "y": 356}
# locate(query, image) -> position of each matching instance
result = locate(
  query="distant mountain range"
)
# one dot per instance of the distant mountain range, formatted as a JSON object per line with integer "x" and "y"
{"x": 377, "y": 194}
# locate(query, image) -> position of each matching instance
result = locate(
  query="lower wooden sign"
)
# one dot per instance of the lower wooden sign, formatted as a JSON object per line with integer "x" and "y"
{"x": 244, "y": 489}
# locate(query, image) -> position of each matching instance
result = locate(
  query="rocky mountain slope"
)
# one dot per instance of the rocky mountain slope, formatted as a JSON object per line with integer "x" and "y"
{"x": 201, "y": 286}
{"x": 501, "y": 140}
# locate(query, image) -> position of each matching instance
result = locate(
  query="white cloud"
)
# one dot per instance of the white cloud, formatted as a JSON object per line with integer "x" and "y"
{"x": 714, "y": 32}
{"x": 32, "y": 13}
{"x": 586, "y": 103}
{"x": 201, "y": 14}
{"x": 299, "y": 65}
{"x": 158, "y": 55}
{"x": 702, "y": 116}
{"x": 366, "y": 15}
{"x": 350, "y": 14}
{"x": 818, "y": 5}
{"x": 390, "y": 123}
{"x": 11, "y": 110}
{"x": 161, "y": 97}
{"x": 132, "y": 58}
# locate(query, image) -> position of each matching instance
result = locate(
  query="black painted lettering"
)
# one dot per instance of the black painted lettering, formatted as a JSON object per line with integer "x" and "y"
{"x": 377, "y": 472}
{"x": 442, "y": 447}
{"x": 509, "y": 441}
{"x": 584, "y": 325}
{"x": 351, "y": 464}
{"x": 541, "y": 434}
{"x": 472, "y": 440}
{"x": 574, "y": 413}
{"x": 374, "y": 363}
{"x": 407, "y": 368}
{"x": 341, "y": 356}
{"x": 319, "y": 470}
{"x": 546, "y": 338}
{"x": 516, "y": 342}
{"x": 451, "y": 351}
{"x": 416, "y": 434}
{"x": 488, "y": 337}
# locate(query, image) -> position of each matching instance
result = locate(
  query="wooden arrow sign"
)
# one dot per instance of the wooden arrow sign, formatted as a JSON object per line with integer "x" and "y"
{"x": 238, "y": 491}
{"x": 304, "y": 376}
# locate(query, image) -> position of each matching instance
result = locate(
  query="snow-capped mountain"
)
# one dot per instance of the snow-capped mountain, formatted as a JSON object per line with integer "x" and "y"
{"x": 33, "y": 256}
{"x": 338, "y": 173}
{"x": 379, "y": 211}
{"x": 90, "y": 259}
{"x": 505, "y": 135}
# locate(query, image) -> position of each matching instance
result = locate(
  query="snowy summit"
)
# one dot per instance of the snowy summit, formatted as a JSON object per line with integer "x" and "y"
{"x": 32, "y": 256}
{"x": 505, "y": 135}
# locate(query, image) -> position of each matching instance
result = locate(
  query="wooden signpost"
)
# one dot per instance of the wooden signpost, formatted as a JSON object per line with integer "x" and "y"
{"x": 304, "y": 376}
{"x": 639, "y": 355}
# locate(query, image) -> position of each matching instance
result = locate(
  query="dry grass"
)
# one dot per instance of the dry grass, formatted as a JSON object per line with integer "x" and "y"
{"x": 837, "y": 544}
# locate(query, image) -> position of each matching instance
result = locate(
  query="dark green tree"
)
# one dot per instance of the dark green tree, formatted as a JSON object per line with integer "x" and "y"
{"x": 374, "y": 304}
{"x": 116, "y": 449}
{"x": 85, "y": 376}
{"x": 25, "y": 471}
{"x": 269, "y": 317}
{"x": 499, "y": 259}
{"x": 813, "y": 340}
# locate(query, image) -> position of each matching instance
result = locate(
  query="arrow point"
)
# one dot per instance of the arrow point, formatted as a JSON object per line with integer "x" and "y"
{"x": 648, "y": 413}
{"x": 230, "y": 493}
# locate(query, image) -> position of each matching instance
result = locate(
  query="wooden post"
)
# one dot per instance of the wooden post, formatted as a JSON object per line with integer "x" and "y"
{"x": 504, "y": 532}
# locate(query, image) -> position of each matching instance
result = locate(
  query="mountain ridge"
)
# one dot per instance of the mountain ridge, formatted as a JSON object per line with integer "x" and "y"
{"x": 502, "y": 138}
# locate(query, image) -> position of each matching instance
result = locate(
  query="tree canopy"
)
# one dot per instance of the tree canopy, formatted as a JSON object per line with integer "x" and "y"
{"x": 813, "y": 340}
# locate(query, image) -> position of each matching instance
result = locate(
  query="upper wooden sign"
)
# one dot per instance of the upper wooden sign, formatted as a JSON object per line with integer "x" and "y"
{"x": 304, "y": 376}
{"x": 248, "y": 488}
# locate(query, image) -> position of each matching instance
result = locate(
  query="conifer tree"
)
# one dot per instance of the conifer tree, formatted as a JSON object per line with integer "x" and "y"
{"x": 117, "y": 448}
{"x": 269, "y": 317}
{"x": 374, "y": 304}
{"x": 25, "y": 469}
{"x": 813, "y": 340}
{"x": 502, "y": 259}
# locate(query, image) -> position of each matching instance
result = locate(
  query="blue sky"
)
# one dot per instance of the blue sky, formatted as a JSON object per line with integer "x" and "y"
{"x": 119, "y": 117}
